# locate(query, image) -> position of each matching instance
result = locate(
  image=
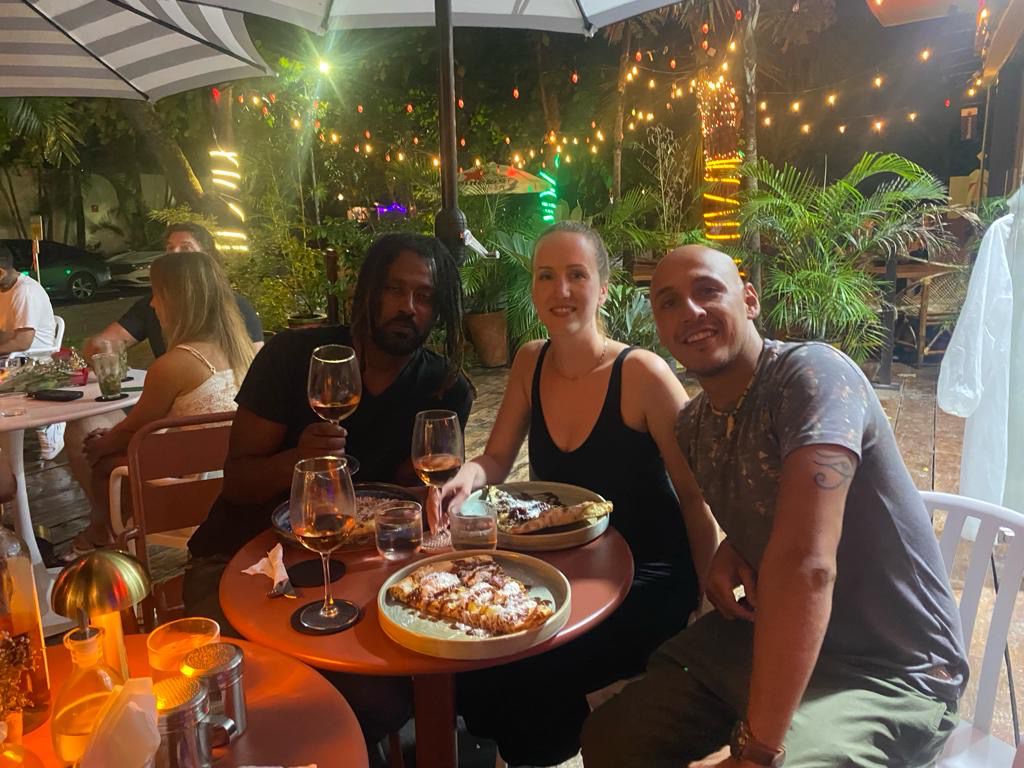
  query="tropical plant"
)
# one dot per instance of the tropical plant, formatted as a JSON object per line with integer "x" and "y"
{"x": 627, "y": 315}
{"x": 818, "y": 239}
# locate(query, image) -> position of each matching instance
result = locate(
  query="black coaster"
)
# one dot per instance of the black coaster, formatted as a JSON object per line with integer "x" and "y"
{"x": 348, "y": 615}
{"x": 127, "y": 378}
{"x": 309, "y": 573}
{"x": 111, "y": 398}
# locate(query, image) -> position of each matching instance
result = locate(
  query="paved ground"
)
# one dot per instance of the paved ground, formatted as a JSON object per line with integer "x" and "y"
{"x": 928, "y": 439}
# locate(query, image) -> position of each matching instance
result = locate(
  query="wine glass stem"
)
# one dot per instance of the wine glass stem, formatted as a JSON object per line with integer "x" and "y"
{"x": 329, "y": 608}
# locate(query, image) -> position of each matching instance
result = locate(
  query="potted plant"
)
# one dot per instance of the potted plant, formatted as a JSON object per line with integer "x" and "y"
{"x": 818, "y": 239}
{"x": 15, "y": 663}
{"x": 486, "y": 326}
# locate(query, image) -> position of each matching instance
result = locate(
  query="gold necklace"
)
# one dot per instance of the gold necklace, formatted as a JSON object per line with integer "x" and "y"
{"x": 597, "y": 365}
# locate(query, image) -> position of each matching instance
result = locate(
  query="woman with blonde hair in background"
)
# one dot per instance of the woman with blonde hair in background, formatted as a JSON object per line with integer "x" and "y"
{"x": 208, "y": 355}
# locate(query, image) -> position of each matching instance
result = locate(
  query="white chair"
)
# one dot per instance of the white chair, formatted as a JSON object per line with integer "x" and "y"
{"x": 972, "y": 743}
{"x": 43, "y": 353}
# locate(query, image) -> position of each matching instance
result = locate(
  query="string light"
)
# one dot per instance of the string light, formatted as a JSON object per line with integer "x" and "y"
{"x": 255, "y": 101}
{"x": 842, "y": 129}
{"x": 877, "y": 126}
{"x": 408, "y": 108}
{"x": 325, "y": 67}
{"x": 651, "y": 83}
{"x": 795, "y": 106}
{"x": 401, "y": 156}
{"x": 629, "y": 77}
{"x": 763, "y": 106}
{"x": 971, "y": 92}
{"x": 805, "y": 128}
{"x": 912, "y": 116}
{"x": 575, "y": 77}
{"x": 359, "y": 108}
{"x": 635, "y": 71}
{"x": 877, "y": 82}
{"x": 925, "y": 54}
{"x": 437, "y": 162}
{"x": 977, "y": 81}
{"x": 296, "y": 123}
{"x": 767, "y": 121}
{"x": 461, "y": 104}
{"x": 732, "y": 45}
{"x": 515, "y": 93}
{"x": 831, "y": 99}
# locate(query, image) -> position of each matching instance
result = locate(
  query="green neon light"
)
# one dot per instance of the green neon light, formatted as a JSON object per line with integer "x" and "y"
{"x": 547, "y": 177}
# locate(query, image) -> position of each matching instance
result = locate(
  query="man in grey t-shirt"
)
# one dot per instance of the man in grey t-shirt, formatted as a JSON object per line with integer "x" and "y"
{"x": 846, "y": 648}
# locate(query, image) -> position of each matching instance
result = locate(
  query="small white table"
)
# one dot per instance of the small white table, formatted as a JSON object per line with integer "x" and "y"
{"x": 40, "y": 413}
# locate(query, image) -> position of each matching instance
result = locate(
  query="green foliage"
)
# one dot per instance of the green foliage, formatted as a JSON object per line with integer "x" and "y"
{"x": 627, "y": 316}
{"x": 819, "y": 238}
{"x": 15, "y": 661}
{"x": 45, "y": 128}
{"x": 180, "y": 214}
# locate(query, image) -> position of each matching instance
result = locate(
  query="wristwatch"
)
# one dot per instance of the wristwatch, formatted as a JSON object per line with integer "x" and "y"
{"x": 743, "y": 746}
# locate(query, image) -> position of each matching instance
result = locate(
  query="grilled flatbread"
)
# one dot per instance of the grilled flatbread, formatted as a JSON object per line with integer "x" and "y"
{"x": 474, "y": 591}
{"x": 523, "y": 513}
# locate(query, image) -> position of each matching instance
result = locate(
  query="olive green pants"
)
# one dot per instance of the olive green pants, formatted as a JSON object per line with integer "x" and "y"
{"x": 696, "y": 688}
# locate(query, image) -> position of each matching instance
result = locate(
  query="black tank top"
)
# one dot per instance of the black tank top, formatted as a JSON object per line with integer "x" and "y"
{"x": 624, "y": 466}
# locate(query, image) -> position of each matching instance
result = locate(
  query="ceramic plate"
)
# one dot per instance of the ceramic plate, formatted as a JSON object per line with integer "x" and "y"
{"x": 562, "y": 537}
{"x": 282, "y": 524}
{"x": 439, "y": 637}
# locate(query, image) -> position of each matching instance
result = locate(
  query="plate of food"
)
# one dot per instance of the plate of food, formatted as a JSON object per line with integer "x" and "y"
{"x": 477, "y": 604}
{"x": 540, "y": 517}
{"x": 369, "y": 498}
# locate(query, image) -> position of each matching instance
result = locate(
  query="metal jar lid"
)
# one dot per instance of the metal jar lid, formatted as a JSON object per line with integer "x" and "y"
{"x": 180, "y": 702}
{"x": 216, "y": 661}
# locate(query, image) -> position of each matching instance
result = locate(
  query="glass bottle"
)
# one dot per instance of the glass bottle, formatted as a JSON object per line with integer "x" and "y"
{"x": 19, "y": 615}
{"x": 83, "y": 694}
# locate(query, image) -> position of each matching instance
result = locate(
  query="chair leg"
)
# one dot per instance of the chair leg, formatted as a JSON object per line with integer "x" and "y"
{"x": 395, "y": 751}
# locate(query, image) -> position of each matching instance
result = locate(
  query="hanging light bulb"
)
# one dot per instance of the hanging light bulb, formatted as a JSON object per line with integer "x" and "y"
{"x": 461, "y": 103}
{"x": 877, "y": 126}
{"x": 651, "y": 83}
{"x": 359, "y": 108}
{"x": 795, "y": 106}
{"x": 408, "y": 108}
{"x": 842, "y": 129}
{"x": 635, "y": 71}
{"x": 912, "y": 116}
{"x": 732, "y": 45}
{"x": 763, "y": 106}
{"x": 767, "y": 121}
{"x": 672, "y": 64}
{"x": 831, "y": 99}
{"x": 925, "y": 54}
{"x": 515, "y": 93}
{"x": 805, "y": 128}
{"x": 575, "y": 77}
{"x": 401, "y": 156}
{"x": 508, "y": 140}
{"x": 877, "y": 82}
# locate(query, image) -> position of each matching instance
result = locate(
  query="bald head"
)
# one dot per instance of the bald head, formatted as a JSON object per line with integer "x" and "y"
{"x": 703, "y": 309}
{"x": 695, "y": 258}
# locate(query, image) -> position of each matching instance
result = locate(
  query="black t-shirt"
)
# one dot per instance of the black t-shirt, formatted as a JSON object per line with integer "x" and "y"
{"x": 379, "y": 431}
{"x": 141, "y": 322}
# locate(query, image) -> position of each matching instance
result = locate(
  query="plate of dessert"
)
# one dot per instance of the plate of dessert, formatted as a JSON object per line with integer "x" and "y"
{"x": 540, "y": 517}
{"x": 475, "y": 604}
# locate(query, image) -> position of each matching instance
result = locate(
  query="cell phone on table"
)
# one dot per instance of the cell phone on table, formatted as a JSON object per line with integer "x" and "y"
{"x": 57, "y": 395}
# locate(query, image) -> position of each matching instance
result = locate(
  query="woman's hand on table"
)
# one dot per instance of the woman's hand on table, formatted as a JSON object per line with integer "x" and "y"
{"x": 457, "y": 490}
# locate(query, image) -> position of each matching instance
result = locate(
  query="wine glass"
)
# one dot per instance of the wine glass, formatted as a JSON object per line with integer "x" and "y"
{"x": 322, "y": 510}
{"x": 437, "y": 455}
{"x": 335, "y": 387}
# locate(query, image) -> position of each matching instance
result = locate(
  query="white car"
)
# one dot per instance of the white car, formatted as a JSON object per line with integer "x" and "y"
{"x": 131, "y": 269}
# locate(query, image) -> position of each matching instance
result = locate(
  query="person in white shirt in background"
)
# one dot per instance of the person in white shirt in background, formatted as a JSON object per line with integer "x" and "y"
{"x": 26, "y": 325}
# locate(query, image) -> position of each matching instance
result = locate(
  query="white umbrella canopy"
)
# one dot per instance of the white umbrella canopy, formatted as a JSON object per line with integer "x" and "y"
{"x": 128, "y": 49}
{"x": 580, "y": 16}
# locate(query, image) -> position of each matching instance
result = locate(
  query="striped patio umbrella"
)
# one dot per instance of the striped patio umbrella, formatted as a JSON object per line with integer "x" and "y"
{"x": 128, "y": 49}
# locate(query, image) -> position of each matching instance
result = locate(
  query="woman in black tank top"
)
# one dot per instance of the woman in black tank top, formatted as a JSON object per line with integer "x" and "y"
{"x": 600, "y": 415}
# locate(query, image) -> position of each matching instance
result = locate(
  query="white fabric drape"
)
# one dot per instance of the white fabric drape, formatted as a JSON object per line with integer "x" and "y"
{"x": 983, "y": 366}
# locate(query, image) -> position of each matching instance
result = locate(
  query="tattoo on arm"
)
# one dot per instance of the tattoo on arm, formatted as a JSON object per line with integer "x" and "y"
{"x": 835, "y": 469}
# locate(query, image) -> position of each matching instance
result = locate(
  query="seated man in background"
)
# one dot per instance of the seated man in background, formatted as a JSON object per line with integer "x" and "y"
{"x": 846, "y": 648}
{"x": 139, "y": 324}
{"x": 408, "y": 284}
{"x": 27, "y": 324}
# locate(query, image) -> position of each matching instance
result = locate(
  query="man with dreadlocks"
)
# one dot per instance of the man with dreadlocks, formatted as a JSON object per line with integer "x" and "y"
{"x": 408, "y": 284}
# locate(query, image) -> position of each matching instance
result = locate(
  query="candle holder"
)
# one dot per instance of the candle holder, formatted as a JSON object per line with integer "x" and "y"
{"x": 94, "y": 589}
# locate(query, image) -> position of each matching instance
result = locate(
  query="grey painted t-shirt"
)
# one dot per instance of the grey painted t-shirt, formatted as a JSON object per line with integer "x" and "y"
{"x": 893, "y": 611}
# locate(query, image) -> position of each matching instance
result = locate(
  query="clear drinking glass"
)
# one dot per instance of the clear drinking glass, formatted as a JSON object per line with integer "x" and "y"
{"x": 398, "y": 530}
{"x": 169, "y": 643}
{"x": 437, "y": 447}
{"x": 335, "y": 386}
{"x": 473, "y": 529}
{"x": 119, "y": 348}
{"x": 107, "y": 367}
{"x": 322, "y": 509}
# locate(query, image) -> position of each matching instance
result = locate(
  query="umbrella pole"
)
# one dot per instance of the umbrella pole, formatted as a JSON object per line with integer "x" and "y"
{"x": 450, "y": 221}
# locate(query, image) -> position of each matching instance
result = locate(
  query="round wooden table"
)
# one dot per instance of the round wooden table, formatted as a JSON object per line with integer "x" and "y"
{"x": 600, "y": 574}
{"x": 295, "y": 717}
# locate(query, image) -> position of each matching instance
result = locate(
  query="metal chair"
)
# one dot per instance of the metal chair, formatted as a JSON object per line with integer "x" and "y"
{"x": 972, "y": 743}
{"x": 175, "y": 473}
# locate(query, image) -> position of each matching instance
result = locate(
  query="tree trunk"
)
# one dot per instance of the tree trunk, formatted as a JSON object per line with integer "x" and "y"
{"x": 549, "y": 101}
{"x": 168, "y": 154}
{"x": 751, "y": 235}
{"x": 620, "y": 113}
{"x": 78, "y": 203}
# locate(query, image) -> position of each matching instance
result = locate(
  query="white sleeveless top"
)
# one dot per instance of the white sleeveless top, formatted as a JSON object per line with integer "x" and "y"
{"x": 214, "y": 395}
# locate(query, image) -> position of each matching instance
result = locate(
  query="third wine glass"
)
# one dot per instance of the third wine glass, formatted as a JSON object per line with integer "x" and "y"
{"x": 335, "y": 386}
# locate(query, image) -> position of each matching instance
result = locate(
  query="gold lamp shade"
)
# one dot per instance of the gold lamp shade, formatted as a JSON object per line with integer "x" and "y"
{"x": 103, "y": 581}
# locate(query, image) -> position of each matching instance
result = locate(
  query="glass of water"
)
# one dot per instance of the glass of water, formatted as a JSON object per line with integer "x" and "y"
{"x": 473, "y": 529}
{"x": 398, "y": 530}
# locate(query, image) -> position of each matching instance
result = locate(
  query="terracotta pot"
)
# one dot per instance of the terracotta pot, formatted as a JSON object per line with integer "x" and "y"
{"x": 489, "y": 333}
{"x": 306, "y": 321}
{"x": 12, "y": 728}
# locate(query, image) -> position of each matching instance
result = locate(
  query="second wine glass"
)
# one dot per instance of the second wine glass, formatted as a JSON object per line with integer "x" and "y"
{"x": 322, "y": 511}
{"x": 335, "y": 386}
{"x": 437, "y": 447}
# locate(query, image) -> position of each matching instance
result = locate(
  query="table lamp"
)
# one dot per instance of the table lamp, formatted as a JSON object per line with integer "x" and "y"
{"x": 95, "y": 589}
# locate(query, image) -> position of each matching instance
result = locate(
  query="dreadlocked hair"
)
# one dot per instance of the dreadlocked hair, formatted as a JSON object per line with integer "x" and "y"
{"x": 447, "y": 292}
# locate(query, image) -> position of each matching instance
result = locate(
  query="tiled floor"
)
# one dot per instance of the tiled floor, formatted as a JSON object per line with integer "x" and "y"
{"x": 928, "y": 439}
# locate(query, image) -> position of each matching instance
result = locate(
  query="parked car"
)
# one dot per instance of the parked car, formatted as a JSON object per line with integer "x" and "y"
{"x": 65, "y": 271}
{"x": 131, "y": 269}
